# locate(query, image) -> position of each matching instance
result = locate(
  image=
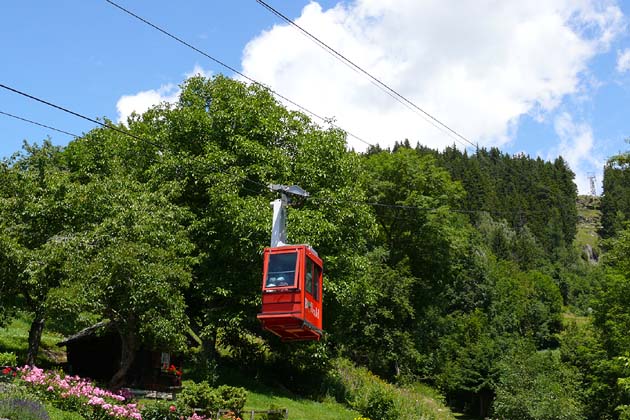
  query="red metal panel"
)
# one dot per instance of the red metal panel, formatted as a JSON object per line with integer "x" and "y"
{"x": 288, "y": 311}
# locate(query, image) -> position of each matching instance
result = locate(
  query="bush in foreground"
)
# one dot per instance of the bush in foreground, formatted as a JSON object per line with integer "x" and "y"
{"x": 210, "y": 400}
{"x": 23, "y": 409}
{"x": 8, "y": 360}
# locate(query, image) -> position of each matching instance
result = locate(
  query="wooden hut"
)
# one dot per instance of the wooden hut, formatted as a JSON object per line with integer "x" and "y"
{"x": 95, "y": 353}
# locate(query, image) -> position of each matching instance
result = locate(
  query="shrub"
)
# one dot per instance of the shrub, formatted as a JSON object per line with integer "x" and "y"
{"x": 22, "y": 409}
{"x": 363, "y": 391}
{"x": 231, "y": 397}
{"x": 7, "y": 374}
{"x": 198, "y": 395}
{"x": 202, "y": 396}
{"x": 17, "y": 391}
{"x": 8, "y": 359}
{"x": 202, "y": 368}
{"x": 72, "y": 393}
{"x": 163, "y": 411}
{"x": 378, "y": 400}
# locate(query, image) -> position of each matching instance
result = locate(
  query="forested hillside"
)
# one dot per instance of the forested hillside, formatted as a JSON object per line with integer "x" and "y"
{"x": 446, "y": 268}
{"x": 616, "y": 195}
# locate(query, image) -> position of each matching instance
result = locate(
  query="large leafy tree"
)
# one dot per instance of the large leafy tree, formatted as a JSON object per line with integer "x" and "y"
{"x": 134, "y": 265}
{"x": 34, "y": 223}
{"x": 219, "y": 147}
{"x": 537, "y": 386}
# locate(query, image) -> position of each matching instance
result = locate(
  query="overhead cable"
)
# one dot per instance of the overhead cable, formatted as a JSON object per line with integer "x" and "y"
{"x": 227, "y": 66}
{"x": 386, "y": 88}
{"x": 108, "y": 126}
{"x": 17, "y": 117}
{"x": 366, "y": 203}
{"x": 76, "y": 114}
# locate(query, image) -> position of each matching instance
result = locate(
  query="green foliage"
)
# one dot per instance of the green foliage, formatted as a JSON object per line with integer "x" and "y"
{"x": 202, "y": 396}
{"x": 13, "y": 408}
{"x": 163, "y": 410}
{"x": 524, "y": 191}
{"x": 231, "y": 397}
{"x": 612, "y": 314}
{"x": 505, "y": 243}
{"x": 34, "y": 221}
{"x": 581, "y": 347}
{"x": 17, "y": 391}
{"x": 615, "y": 201}
{"x": 198, "y": 395}
{"x": 8, "y": 359}
{"x": 201, "y": 367}
{"x": 624, "y": 383}
{"x": 537, "y": 386}
{"x": 58, "y": 414}
{"x": 377, "y": 399}
{"x": 376, "y": 306}
{"x": 528, "y": 304}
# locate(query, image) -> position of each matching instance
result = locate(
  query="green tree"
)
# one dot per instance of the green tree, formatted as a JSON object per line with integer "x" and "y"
{"x": 537, "y": 386}
{"x": 34, "y": 221}
{"x": 134, "y": 264}
{"x": 222, "y": 143}
{"x": 615, "y": 201}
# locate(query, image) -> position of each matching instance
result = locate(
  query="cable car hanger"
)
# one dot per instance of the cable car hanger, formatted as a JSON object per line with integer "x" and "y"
{"x": 279, "y": 221}
{"x": 292, "y": 279}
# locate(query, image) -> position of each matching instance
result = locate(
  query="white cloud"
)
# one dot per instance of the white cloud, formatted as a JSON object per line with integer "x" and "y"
{"x": 577, "y": 148}
{"x": 199, "y": 71}
{"x": 476, "y": 65}
{"x": 143, "y": 100}
{"x": 623, "y": 61}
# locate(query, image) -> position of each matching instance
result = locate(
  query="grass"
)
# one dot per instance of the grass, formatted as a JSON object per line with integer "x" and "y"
{"x": 299, "y": 409}
{"x": 57, "y": 414}
{"x": 14, "y": 339}
{"x": 262, "y": 397}
{"x": 569, "y": 318}
{"x": 588, "y": 226}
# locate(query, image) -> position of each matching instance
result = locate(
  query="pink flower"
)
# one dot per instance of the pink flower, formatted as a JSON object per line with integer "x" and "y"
{"x": 172, "y": 408}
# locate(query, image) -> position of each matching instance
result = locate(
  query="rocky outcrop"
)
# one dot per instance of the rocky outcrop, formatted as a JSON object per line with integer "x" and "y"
{"x": 589, "y": 254}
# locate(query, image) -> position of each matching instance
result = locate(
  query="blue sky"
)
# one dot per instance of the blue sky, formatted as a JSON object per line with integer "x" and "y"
{"x": 546, "y": 78}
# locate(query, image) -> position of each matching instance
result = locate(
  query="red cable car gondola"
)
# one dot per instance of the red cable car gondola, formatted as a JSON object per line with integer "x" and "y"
{"x": 292, "y": 282}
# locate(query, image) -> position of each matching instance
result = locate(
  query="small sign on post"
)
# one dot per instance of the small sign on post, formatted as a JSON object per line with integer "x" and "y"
{"x": 165, "y": 360}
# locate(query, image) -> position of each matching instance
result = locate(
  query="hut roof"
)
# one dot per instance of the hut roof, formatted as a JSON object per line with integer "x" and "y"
{"x": 94, "y": 330}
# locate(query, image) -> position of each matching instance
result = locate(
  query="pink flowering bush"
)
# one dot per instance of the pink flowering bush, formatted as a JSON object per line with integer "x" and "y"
{"x": 78, "y": 394}
{"x": 73, "y": 393}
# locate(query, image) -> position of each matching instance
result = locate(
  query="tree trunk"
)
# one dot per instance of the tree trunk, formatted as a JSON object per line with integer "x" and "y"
{"x": 208, "y": 344}
{"x": 127, "y": 356}
{"x": 35, "y": 336}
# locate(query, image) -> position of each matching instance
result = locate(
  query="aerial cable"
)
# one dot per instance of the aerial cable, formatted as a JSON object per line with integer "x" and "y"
{"x": 389, "y": 90}
{"x": 375, "y": 81}
{"x": 227, "y": 66}
{"x": 386, "y": 88}
{"x": 107, "y": 126}
{"x": 426, "y": 209}
{"x": 17, "y": 117}
{"x": 315, "y": 198}
{"x": 76, "y": 114}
